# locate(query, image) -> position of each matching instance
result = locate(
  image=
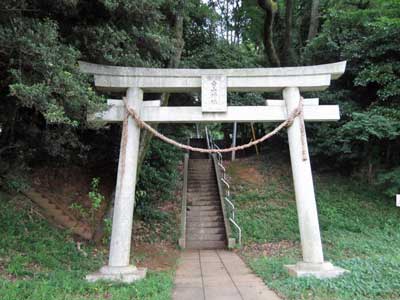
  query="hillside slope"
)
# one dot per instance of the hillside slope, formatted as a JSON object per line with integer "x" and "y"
{"x": 39, "y": 261}
{"x": 359, "y": 229}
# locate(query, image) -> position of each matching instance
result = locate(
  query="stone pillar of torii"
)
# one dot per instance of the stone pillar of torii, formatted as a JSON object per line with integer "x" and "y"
{"x": 214, "y": 85}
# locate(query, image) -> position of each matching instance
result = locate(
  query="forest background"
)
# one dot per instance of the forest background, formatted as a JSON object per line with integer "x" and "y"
{"x": 44, "y": 99}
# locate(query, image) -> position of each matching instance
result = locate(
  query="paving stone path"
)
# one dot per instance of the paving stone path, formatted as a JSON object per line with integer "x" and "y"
{"x": 217, "y": 275}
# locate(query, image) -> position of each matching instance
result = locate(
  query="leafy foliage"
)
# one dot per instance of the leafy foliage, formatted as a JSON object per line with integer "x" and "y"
{"x": 157, "y": 180}
{"x": 368, "y": 135}
{"x": 390, "y": 180}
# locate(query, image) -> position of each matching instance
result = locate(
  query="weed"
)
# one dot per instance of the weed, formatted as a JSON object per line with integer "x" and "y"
{"x": 107, "y": 230}
{"x": 96, "y": 200}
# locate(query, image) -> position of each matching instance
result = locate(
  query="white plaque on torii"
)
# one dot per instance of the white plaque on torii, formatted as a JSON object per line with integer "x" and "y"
{"x": 213, "y": 93}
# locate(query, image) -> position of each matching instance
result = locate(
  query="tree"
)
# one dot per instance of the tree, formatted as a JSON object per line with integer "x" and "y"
{"x": 314, "y": 20}
{"x": 177, "y": 19}
{"x": 287, "y": 53}
{"x": 270, "y": 7}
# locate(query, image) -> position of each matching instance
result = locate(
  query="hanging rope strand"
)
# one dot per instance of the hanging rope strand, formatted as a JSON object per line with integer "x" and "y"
{"x": 287, "y": 123}
{"x": 303, "y": 131}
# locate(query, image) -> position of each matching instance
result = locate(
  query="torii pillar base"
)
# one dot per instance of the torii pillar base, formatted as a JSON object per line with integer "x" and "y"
{"x": 127, "y": 274}
{"x": 324, "y": 270}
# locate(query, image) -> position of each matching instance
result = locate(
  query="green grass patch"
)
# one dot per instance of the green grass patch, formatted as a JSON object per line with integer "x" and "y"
{"x": 38, "y": 261}
{"x": 359, "y": 227}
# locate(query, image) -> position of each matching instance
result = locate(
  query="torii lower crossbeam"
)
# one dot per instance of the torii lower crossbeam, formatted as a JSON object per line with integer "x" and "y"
{"x": 193, "y": 114}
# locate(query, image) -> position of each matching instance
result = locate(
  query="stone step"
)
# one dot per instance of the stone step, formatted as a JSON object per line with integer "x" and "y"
{"x": 207, "y": 167}
{"x": 206, "y": 201}
{"x": 206, "y": 191}
{"x": 206, "y": 160}
{"x": 203, "y": 245}
{"x": 204, "y": 224}
{"x": 203, "y": 219}
{"x": 192, "y": 200}
{"x": 202, "y": 162}
{"x": 197, "y": 206}
{"x": 203, "y": 213}
{"x": 208, "y": 230}
{"x": 200, "y": 198}
{"x": 202, "y": 178}
{"x": 201, "y": 175}
{"x": 198, "y": 212}
{"x": 203, "y": 197}
{"x": 201, "y": 172}
{"x": 196, "y": 217}
{"x": 208, "y": 183}
{"x": 199, "y": 165}
{"x": 205, "y": 237}
{"x": 202, "y": 187}
{"x": 204, "y": 194}
{"x": 193, "y": 208}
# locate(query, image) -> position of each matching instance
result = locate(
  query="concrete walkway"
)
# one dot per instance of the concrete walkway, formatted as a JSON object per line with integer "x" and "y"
{"x": 217, "y": 275}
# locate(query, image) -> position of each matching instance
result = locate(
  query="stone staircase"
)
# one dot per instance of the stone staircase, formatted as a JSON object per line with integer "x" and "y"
{"x": 205, "y": 227}
{"x": 59, "y": 215}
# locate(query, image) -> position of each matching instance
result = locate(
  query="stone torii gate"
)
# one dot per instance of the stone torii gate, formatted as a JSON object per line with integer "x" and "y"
{"x": 214, "y": 85}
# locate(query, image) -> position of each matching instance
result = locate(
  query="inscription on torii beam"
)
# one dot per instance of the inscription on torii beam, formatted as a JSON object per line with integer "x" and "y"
{"x": 213, "y": 93}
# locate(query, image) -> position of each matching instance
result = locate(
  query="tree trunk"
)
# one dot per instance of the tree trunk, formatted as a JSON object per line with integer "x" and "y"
{"x": 287, "y": 55}
{"x": 270, "y": 7}
{"x": 173, "y": 63}
{"x": 314, "y": 20}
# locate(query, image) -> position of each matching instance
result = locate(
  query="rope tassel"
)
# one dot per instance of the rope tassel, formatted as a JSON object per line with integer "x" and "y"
{"x": 298, "y": 112}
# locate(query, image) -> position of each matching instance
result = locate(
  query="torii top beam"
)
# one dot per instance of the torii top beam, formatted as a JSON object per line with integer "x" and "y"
{"x": 309, "y": 78}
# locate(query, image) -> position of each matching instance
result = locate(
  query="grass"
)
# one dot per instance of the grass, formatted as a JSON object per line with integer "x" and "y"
{"x": 38, "y": 261}
{"x": 360, "y": 232}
